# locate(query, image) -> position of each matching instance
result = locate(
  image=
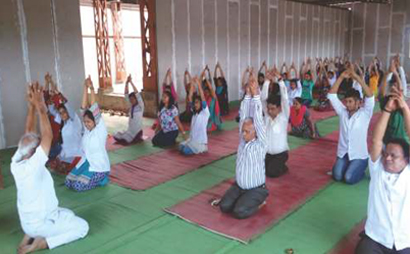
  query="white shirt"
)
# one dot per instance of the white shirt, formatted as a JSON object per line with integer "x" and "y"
{"x": 353, "y": 130}
{"x": 356, "y": 85}
{"x": 36, "y": 197}
{"x": 277, "y": 129}
{"x": 388, "y": 211}
{"x": 71, "y": 133}
{"x": 402, "y": 79}
{"x": 93, "y": 145}
{"x": 250, "y": 160}
{"x": 292, "y": 94}
{"x": 332, "y": 81}
{"x": 199, "y": 125}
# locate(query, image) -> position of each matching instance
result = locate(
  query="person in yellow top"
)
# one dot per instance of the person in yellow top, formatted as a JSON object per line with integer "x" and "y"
{"x": 374, "y": 78}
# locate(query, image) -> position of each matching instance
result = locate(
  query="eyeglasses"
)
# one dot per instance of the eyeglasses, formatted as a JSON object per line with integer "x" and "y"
{"x": 393, "y": 156}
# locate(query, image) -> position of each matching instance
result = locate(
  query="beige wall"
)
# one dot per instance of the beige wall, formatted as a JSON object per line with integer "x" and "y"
{"x": 36, "y": 37}
{"x": 381, "y": 30}
{"x": 238, "y": 33}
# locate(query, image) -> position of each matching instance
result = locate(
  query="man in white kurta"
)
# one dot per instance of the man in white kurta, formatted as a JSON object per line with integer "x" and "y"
{"x": 388, "y": 211}
{"x": 45, "y": 224}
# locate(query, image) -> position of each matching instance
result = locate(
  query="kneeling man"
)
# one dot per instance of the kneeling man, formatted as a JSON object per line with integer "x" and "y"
{"x": 388, "y": 211}
{"x": 44, "y": 223}
{"x": 249, "y": 192}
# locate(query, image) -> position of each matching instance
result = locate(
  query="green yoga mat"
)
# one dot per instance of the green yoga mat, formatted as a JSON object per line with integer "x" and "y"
{"x": 124, "y": 221}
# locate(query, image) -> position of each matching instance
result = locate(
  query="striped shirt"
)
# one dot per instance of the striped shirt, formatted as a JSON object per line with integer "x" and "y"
{"x": 250, "y": 162}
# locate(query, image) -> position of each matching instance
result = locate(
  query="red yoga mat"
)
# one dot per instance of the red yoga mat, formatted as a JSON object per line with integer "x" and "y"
{"x": 307, "y": 175}
{"x": 154, "y": 169}
{"x": 308, "y": 166}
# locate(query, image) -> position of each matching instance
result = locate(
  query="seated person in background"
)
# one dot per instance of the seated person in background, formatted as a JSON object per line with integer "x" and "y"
{"x": 276, "y": 123}
{"x": 70, "y": 138}
{"x": 134, "y": 132}
{"x": 198, "y": 137}
{"x": 300, "y": 121}
{"x": 261, "y": 74}
{"x": 168, "y": 85}
{"x": 221, "y": 90}
{"x": 374, "y": 78}
{"x": 395, "y": 127}
{"x": 44, "y": 223}
{"x": 322, "y": 84}
{"x": 352, "y": 155}
{"x": 248, "y": 193}
{"x": 186, "y": 116}
{"x": 94, "y": 168}
{"x": 215, "y": 121}
{"x": 295, "y": 90}
{"x": 388, "y": 210}
{"x": 166, "y": 132}
{"x": 53, "y": 98}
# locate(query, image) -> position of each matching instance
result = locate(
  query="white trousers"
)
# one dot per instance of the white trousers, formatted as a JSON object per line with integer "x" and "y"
{"x": 61, "y": 227}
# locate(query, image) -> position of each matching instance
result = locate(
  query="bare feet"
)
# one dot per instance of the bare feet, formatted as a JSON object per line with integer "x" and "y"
{"x": 25, "y": 241}
{"x": 38, "y": 244}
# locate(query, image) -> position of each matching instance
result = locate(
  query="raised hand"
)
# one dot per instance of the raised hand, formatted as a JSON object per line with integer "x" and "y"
{"x": 129, "y": 79}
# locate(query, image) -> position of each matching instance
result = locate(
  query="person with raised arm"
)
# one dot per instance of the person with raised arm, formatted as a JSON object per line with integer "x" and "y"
{"x": 277, "y": 110}
{"x": 221, "y": 90}
{"x": 94, "y": 168}
{"x": 198, "y": 137}
{"x": 262, "y": 73}
{"x": 134, "y": 132}
{"x": 388, "y": 209}
{"x": 244, "y": 198}
{"x": 45, "y": 224}
{"x": 166, "y": 131}
{"x": 215, "y": 121}
{"x": 186, "y": 116}
{"x": 395, "y": 127}
{"x": 354, "y": 119}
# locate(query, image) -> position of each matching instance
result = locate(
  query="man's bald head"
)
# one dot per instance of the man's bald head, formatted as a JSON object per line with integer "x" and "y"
{"x": 26, "y": 147}
{"x": 248, "y": 129}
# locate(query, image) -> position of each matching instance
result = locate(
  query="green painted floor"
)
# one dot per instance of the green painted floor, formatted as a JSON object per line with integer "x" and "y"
{"x": 126, "y": 221}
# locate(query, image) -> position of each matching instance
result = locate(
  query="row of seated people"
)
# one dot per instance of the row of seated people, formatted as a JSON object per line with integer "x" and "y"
{"x": 263, "y": 149}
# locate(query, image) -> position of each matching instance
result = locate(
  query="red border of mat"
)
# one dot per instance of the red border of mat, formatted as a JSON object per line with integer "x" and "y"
{"x": 157, "y": 168}
{"x": 308, "y": 167}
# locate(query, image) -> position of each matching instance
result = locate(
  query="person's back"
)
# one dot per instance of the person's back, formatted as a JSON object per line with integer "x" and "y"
{"x": 36, "y": 197}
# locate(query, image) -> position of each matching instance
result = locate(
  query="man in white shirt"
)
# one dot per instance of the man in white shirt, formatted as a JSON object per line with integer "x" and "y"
{"x": 248, "y": 193}
{"x": 388, "y": 212}
{"x": 277, "y": 111}
{"x": 352, "y": 154}
{"x": 44, "y": 223}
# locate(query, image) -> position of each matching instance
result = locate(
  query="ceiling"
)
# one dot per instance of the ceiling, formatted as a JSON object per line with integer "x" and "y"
{"x": 341, "y": 2}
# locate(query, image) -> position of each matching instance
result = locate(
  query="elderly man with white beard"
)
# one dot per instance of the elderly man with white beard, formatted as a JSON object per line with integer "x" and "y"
{"x": 44, "y": 223}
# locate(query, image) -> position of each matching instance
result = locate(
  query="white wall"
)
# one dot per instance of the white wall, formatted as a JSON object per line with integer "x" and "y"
{"x": 238, "y": 33}
{"x": 37, "y": 37}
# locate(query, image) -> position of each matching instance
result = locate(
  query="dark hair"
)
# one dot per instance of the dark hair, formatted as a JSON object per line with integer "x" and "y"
{"x": 133, "y": 94}
{"x": 261, "y": 75}
{"x": 353, "y": 93}
{"x": 195, "y": 98}
{"x": 171, "y": 101}
{"x": 62, "y": 106}
{"x": 222, "y": 80}
{"x": 299, "y": 100}
{"x": 274, "y": 88}
{"x": 89, "y": 114}
{"x": 403, "y": 144}
{"x": 274, "y": 100}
